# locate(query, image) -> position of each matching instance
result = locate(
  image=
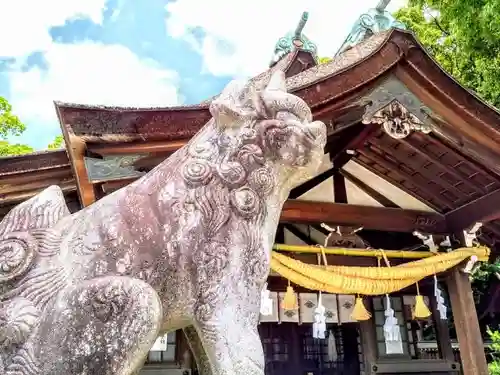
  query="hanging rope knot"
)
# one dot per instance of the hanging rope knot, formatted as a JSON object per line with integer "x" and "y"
{"x": 386, "y": 259}
{"x": 330, "y": 230}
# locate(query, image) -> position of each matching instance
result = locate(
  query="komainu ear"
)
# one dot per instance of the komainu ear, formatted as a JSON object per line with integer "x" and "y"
{"x": 227, "y": 107}
{"x": 277, "y": 82}
{"x": 276, "y": 99}
{"x": 241, "y": 101}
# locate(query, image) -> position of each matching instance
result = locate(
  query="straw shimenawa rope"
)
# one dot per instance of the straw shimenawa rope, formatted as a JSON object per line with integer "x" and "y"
{"x": 369, "y": 280}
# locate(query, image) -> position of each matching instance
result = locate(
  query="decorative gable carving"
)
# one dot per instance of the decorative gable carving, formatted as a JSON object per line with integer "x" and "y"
{"x": 397, "y": 109}
{"x": 397, "y": 121}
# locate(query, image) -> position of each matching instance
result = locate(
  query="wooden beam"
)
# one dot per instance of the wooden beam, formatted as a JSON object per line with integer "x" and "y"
{"x": 30, "y": 163}
{"x": 482, "y": 210}
{"x": 378, "y": 218}
{"x": 465, "y": 318}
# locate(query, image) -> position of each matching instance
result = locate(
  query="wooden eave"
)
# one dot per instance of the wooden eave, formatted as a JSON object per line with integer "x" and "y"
{"x": 22, "y": 177}
{"x": 446, "y": 171}
{"x": 44, "y": 160}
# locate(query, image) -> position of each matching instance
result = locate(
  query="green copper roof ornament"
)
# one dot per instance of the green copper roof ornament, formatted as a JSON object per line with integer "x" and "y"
{"x": 374, "y": 21}
{"x": 294, "y": 40}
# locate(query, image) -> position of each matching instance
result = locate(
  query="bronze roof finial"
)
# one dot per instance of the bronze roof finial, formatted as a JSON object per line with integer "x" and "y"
{"x": 294, "y": 40}
{"x": 301, "y": 25}
{"x": 382, "y": 4}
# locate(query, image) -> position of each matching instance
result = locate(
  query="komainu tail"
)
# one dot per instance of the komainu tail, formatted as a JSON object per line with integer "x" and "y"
{"x": 19, "y": 248}
{"x": 40, "y": 212}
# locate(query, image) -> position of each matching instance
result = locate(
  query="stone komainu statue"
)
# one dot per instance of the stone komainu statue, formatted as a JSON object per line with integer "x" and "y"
{"x": 186, "y": 246}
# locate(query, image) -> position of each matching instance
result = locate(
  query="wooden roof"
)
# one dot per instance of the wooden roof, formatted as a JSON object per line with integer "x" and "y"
{"x": 455, "y": 169}
{"x": 23, "y": 176}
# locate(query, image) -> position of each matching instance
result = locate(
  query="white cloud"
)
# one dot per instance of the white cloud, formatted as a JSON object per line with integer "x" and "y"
{"x": 252, "y": 28}
{"x": 25, "y": 23}
{"x": 89, "y": 73}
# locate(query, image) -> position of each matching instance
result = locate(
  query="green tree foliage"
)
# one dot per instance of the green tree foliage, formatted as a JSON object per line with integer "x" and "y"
{"x": 494, "y": 365}
{"x": 57, "y": 143}
{"x": 464, "y": 38}
{"x": 9, "y": 149}
{"x": 11, "y": 125}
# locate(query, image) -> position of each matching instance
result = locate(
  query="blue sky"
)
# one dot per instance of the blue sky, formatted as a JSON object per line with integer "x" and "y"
{"x": 145, "y": 53}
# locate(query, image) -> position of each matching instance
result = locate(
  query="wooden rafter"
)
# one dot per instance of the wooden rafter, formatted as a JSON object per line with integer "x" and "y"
{"x": 410, "y": 162}
{"x": 311, "y": 184}
{"x": 452, "y": 171}
{"x": 371, "y": 192}
{"x": 399, "y": 170}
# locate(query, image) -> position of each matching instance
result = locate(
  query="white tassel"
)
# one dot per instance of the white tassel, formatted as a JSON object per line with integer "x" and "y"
{"x": 332, "y": 347}
{"x": 392, "y": 333}
{"x": 441, "y": 307}
{"x": 319, "y": 325}
{"x": 266, "y": 303}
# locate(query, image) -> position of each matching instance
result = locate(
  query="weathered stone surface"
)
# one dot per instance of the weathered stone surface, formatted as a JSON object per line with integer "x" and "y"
{"x": 186, "y": 246}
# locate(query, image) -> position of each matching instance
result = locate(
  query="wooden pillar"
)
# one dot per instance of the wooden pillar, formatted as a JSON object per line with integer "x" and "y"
{"x": 368, "y": 342}
{"x": 339, "y": 188}
{"x": 466, "y": 324}
{"x": 366, "y": 328}
{"x": 183, "y": 354}
{"x": 280, "y": 234}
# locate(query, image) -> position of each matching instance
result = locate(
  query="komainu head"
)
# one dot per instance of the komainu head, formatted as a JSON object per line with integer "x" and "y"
{"x": 272, "y": 126}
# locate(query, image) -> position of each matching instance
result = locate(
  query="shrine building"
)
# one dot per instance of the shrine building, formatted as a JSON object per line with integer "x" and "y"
{"x": 411, "y": 164}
